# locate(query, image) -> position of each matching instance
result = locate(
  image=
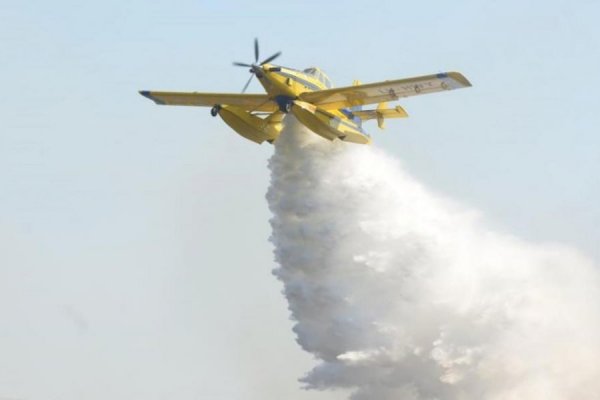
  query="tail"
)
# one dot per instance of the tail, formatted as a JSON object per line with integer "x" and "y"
{"x": 381, "y": 113}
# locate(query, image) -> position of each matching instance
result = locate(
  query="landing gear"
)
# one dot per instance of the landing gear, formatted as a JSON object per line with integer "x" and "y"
{"x": 285, "y": 103}
{"x": 285, "y": 107}
{"x": 215, "y": 110}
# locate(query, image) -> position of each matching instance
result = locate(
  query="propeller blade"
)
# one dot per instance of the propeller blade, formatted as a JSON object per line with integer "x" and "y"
{"x": 274, "y": 56}
{"x": 239, "y": 64}
{"x": 255, "y": 50}
{"x": 247, "y": 84}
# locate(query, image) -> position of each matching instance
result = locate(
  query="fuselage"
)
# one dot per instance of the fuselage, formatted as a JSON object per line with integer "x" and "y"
{"x": 284, "y": 85}
{"x": 283, "y": 81}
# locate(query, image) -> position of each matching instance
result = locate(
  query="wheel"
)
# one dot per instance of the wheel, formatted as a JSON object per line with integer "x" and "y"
{"x": 215, "y": 110}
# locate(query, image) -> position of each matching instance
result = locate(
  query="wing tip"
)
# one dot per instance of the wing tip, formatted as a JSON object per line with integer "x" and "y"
{"x": 402, "y": 112}
{"x": 148, "y": 94}
{"x": 460, "y": 78}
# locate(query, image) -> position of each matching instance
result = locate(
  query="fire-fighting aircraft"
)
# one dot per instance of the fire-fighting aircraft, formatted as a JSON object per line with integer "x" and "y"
{"x": 333, "y": 113}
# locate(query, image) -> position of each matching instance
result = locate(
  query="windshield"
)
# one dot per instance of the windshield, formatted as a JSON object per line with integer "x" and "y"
{"x": 320, "y": 75}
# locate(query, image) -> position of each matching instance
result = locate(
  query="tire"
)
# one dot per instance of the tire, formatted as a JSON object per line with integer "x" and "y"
{"x": 215, "y": 110}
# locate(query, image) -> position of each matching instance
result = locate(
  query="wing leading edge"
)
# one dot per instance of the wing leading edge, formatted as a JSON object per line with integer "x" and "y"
{"x": 251, "y": 102}
{"x": 337, "y": 98}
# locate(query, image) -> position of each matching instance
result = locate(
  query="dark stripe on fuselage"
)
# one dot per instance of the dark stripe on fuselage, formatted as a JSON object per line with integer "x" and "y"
{"x": 348, "y": 122}
{"x": 348, "y": 113}
{"x": 306, "y": 83}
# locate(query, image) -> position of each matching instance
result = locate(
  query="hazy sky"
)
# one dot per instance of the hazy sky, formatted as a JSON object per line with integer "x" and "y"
{"x": 134, "y": 260}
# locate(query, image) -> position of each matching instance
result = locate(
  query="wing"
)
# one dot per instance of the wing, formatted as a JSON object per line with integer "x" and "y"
{"x": 251, "y": 102}
{"x": 335, "y": 99}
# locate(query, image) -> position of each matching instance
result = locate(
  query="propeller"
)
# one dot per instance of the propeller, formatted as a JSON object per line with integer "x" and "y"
{"x": 254, "y": 67}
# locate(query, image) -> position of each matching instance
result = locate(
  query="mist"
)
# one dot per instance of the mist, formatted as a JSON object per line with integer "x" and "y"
{"x": 401, "y": 293}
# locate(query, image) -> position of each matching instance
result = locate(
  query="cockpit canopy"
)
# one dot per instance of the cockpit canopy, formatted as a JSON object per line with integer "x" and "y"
{"x": 320, "y": 75}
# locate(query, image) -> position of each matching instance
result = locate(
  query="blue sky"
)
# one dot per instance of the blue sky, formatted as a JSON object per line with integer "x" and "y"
{"x": 134, "y": 257}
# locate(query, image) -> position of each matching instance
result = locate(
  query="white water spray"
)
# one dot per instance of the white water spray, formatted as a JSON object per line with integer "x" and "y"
{"x": 403, "y": 295}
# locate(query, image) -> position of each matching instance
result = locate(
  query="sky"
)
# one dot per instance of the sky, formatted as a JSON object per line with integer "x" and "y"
{"x": 134, "y": 253}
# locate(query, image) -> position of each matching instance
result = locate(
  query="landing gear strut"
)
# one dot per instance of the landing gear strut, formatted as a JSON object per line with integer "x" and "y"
{"x": 215, "y": 110}
{"x": 285, "y": 107}
{"x": 285, "y": 103}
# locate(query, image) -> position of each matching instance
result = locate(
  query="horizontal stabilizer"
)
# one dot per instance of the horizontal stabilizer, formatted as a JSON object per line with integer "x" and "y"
{"x": 381, "y": 113}
{"x": 397, "y": 112}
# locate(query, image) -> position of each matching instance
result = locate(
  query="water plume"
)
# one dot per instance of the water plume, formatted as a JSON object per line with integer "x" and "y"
{"x": 400, "y": 293}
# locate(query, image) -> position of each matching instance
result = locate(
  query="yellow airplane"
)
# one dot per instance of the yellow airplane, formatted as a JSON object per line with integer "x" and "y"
{"x": 333, "y": 113}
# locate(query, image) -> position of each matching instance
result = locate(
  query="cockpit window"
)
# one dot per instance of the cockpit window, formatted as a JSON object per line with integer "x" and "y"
{"x": 317, "y": 73}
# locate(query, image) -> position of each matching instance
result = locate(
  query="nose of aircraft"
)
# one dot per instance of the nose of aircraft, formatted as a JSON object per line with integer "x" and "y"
{"x": 263, "y": 70}
{"x": 257, "y": 70}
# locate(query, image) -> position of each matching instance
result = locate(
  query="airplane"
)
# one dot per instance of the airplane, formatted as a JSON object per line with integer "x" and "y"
{"x": 333, "y": 113}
